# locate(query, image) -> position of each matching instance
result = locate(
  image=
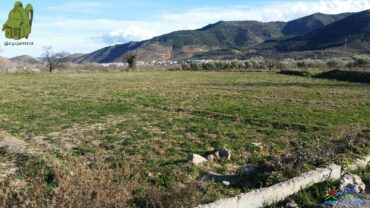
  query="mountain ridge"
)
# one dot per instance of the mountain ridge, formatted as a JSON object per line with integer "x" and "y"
{"x": 354, "y": 28}
{"x": 222, "y": 37}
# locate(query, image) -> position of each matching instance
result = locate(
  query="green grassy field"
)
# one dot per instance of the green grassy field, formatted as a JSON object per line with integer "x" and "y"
{"x": 91, "y": 132}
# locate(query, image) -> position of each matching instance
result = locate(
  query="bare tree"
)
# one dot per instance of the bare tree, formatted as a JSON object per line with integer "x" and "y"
{"x": 54, "y": 60}
{"x": 131, "y": 59}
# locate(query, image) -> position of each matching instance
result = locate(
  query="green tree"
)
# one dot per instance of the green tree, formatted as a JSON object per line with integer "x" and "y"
{"x": 131, "y": 59}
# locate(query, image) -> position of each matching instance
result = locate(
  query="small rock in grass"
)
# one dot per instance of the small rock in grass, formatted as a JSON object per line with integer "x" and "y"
{"x": 226, "y": 183}
{"x": 291, "y": 204}
{"x": 256, "y": 144}
{"x": 355, "y": 181}
{"x": 211, "y": 157}
{"x": 197, "y": 159}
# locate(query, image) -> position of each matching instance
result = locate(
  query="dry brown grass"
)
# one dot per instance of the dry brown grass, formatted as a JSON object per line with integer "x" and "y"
{"x": 184, "y": 195}
{"x": 94, "y": 184}
{"x": 75, "y": 182}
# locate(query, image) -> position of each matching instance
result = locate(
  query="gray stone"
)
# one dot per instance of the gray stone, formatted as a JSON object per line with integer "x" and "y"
{"x": 291, "y": 204}
{"x": 226, "y": 183}
{"x": 196, "y": 159}
{"x": 256, "y": 144}
{"x": 352, "y": 180}
{"x": 150, "y": 175}
{"x": 211, "y": 157}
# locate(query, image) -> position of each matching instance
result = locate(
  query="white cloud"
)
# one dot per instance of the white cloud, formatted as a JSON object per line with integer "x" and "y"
{"x": 127, "y": 34}
{"x": 279, "y": 11}
{"x": 79, "y": 35}
{"x": 81, "y": 7}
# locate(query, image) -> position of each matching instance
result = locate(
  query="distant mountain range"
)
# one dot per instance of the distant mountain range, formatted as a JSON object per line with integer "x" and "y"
{"x": 317, "y": 33}
{"x": 25, "y": 59}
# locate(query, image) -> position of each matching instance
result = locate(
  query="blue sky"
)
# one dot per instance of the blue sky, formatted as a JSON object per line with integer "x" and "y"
{"x": 84, "y": 26}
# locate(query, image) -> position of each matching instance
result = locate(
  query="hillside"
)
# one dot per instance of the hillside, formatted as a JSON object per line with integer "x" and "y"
{"x": 355, "y": 28}
{"x": 184, "y": 44}
{"x": 225, "y": 39}
{"x": 25, "y": 59}
{"x": 305, "y": 25}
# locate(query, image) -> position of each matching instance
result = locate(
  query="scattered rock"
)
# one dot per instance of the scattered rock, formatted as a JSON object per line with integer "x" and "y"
{"x": 291, "y": 204}
{"x": 352, "y": 180}
{"x": 150, "y": 175}
{"x": 226, "y": 183}
{"x": 197, "y": 159}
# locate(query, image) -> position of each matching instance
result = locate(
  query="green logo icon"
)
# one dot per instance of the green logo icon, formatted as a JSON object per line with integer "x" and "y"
{"x": 19, "y": 23}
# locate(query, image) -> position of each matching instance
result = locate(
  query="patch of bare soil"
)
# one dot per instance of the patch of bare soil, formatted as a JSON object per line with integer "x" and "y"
{"x": 9, "y": 147}
{"x": 64, "y": 140}
{"x": 70, "y": 138}
{"x": 12, "y": 144}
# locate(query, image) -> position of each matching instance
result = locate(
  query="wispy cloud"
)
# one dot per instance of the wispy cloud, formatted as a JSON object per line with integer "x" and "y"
{"x": 127, "y": 34}
{"x": 278, "y": 11}
{"x": 79, "y": 7}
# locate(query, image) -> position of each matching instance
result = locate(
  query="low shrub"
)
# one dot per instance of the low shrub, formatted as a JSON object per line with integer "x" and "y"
{"x": 361, "y": 61}
{"x": 351, "y": 76}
